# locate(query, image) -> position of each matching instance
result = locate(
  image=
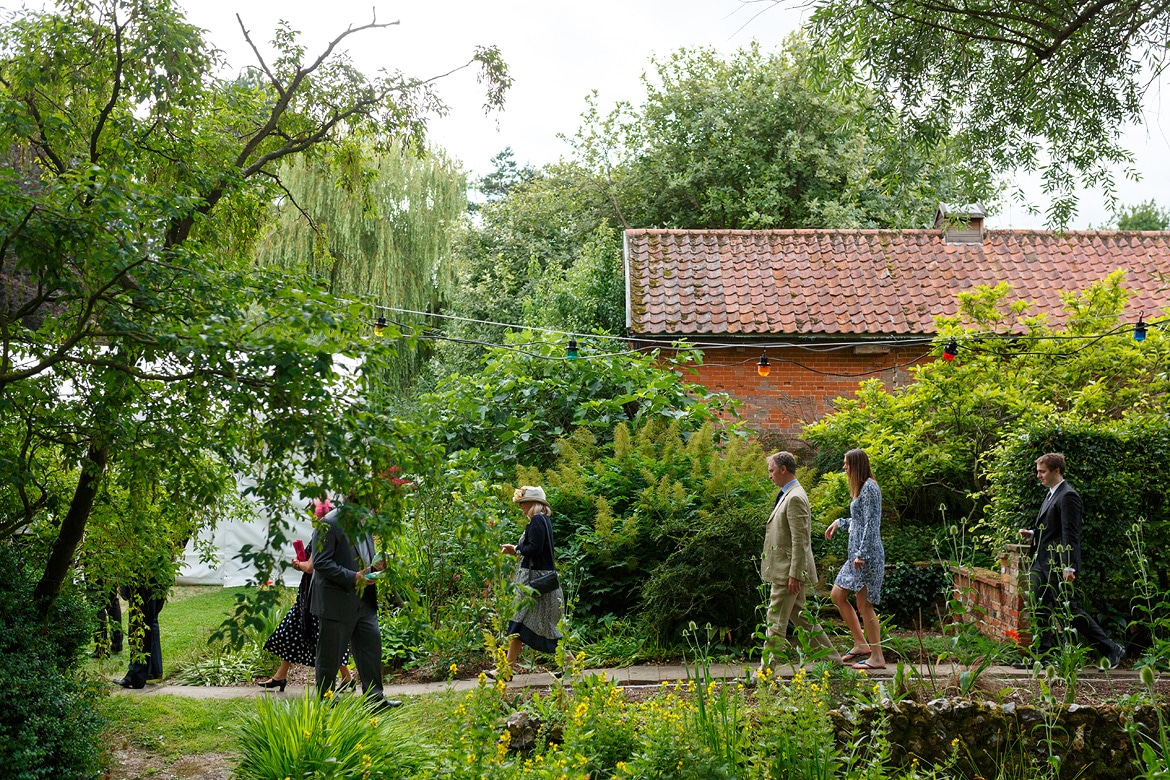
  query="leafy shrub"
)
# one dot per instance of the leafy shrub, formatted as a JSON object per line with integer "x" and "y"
{"x": 910, "y": 593}
{"x": 526, "y": 397}
{"x": 662, "y": 525}
{"x": 930, "y": 441}
{"x": 1111, "y": 467}
{"x": 226, "y": 667}
{"x": 331, "y": 739}
{"x": 48, "y": 721}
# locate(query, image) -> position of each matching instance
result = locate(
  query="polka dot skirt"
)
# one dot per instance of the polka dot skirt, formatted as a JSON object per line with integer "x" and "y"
{"x": 295, "y": 639}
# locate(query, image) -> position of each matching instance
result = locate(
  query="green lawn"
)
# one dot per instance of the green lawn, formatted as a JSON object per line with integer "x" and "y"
{"x": 191, "y": 614}
{"x": 174, "y": 726}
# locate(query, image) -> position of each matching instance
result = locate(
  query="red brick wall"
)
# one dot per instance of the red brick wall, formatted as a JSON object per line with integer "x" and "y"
{"x": 802, "y": 384}
{"x": 995, "y": 600}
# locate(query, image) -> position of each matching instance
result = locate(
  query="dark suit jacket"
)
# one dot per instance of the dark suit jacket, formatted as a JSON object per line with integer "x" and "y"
{"x": 1056, "y": 537}
{"x": 336, "y": 561}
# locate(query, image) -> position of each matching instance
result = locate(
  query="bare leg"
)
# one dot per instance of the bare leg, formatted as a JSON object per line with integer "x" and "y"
{"x": 346, "y": 674}
{"x": 873, "y": 628}
{"x": 281, "y": 672}
{"x": 849, "y": 615}
{"x": 514, "y": 650}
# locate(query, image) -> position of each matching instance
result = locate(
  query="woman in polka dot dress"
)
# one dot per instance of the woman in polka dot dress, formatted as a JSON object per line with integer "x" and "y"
{"x": 295, "y": 640}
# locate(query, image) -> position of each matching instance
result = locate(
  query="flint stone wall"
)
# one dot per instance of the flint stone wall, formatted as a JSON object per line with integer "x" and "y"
{"x": 1092, "y": 742}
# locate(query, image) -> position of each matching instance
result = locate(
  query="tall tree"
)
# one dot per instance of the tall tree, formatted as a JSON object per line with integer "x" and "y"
{"x": 376, "y": 226}
{"x": 140, "y": 318}
{"x": 1143, "y": 216}
{"x": 762, "y": 140}
{"x": 1047, "y": 85}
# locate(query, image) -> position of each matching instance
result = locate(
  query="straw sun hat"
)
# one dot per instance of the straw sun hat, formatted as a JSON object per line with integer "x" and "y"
{"x": 529, "y": 494}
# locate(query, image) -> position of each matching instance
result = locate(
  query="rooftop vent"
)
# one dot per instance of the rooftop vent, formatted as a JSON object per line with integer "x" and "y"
{"x": 963, "y": 224}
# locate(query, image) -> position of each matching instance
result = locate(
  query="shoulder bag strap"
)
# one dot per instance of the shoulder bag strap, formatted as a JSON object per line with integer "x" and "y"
{"x": 551, "y": 550}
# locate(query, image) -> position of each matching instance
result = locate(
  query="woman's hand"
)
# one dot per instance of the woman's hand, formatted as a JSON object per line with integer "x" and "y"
{"x": 858, "y": 563}
{"x": 508, "y": 549}
{"x": 832, "y": 529}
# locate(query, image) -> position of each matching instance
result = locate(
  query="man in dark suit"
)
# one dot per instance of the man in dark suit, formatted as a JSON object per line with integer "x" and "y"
{"x": 1056, "y": 558}
{"x": 346, "y": 603}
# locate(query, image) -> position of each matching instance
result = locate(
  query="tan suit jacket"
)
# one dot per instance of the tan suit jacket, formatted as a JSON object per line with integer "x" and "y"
{"x": 788, "y": 541}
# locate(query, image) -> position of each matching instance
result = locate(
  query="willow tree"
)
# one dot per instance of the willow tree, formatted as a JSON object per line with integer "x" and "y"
{"x": 377, "y": 225}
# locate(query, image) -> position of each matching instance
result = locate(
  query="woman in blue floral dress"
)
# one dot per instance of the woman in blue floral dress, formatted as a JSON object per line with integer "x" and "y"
{"x": 865, "y": 563}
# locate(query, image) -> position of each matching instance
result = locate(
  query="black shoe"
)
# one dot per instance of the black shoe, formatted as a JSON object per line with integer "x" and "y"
{"x": 1114, "y": 657}
{"x": 274, "y": 683}
{"x": 126, "y": 682}
{"x": 387, "y": 704}
{"x": 1021, "y": 665}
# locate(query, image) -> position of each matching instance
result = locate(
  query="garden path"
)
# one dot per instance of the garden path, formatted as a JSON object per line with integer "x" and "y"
{"x": 633, "y": 676}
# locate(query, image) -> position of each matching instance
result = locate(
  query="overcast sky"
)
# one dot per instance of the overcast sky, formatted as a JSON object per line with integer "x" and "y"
{"x": 559, "y": 51}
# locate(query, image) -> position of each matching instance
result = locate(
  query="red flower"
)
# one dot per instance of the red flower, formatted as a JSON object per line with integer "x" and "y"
{"x": 1013, "y": 635}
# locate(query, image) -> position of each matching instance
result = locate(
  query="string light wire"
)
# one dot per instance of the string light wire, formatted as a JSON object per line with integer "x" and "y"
{"x": 970, "y": 342}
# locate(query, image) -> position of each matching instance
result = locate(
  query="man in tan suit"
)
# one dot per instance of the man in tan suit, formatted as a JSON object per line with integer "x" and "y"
{"x": 788, "y": 558}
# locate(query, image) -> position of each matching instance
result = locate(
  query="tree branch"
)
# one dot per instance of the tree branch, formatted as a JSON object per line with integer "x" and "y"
{"x": 115, "y": 92}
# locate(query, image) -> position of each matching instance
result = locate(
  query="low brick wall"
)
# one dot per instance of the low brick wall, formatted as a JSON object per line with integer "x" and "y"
{"x": 1092, "y": 742}
{"x": 994, "y": 600}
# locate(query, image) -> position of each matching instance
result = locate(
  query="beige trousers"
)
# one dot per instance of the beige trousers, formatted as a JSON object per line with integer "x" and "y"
{"x": 785, "y": 607}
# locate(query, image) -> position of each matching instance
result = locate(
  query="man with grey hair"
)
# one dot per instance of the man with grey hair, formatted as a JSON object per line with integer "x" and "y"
{"x": 788, "y": 558}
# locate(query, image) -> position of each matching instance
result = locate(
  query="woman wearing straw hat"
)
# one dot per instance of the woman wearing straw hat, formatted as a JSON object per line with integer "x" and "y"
{"x": 535, "y": 622}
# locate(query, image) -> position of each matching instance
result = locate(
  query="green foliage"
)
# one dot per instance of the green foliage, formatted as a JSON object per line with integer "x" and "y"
{"x": 528, "y": 395}
{"x": 931, "y": 441}
{"x": 372, "y": 225}
{"x": 1047, "y": 88}
{"x": 49, "y": 726}
{"x": 448, "y": 575}
{"x": 332, "y": 739}
{"x": 758, "y": 141}
{"x": 1110, "y": 466}
{"x": 795, "y": 738}
{"x": 1151, "y": 603}
{"x": 586, "y": 297}
{"x": 911, "y": 594}
{"x": 173, "y": 726}
{"x": 662, "y": 526}
{"x": 137, "y": 327}
{"x": 1143, "y": 216}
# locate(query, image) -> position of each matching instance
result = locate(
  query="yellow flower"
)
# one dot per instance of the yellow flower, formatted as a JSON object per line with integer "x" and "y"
{"x": 454, "y": 669}
{"x": 374, "y": 722}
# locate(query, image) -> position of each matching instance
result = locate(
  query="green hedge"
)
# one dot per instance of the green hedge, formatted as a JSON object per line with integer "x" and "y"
{"x": 1120, "y": 474}
{"x": 48, "y": 721}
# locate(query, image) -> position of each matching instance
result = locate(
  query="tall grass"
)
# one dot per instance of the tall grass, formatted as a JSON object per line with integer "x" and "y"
{"x": 332, "y": 738}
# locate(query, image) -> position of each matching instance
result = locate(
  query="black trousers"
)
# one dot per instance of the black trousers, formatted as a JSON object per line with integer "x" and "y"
{"x": 1049, "y": 591}
{"x": 107, "y": 638}
{"x": 360, "y": 633}
{"x": 145, "y": 641}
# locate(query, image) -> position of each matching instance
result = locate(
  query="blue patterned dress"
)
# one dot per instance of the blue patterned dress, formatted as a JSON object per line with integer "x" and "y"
{"x": 864, "y": 526}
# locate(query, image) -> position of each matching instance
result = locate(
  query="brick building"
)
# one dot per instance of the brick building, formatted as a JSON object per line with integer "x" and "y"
{"x": 829, "y": 308}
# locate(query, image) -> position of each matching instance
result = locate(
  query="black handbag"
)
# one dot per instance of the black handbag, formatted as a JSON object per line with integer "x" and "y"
{"x": 545, "y": 583}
